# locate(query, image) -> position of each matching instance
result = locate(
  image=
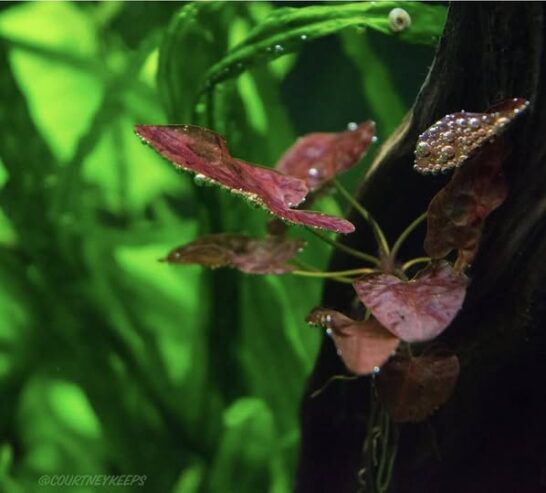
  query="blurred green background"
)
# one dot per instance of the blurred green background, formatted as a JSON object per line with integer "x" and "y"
{"x": 114, "y": 363}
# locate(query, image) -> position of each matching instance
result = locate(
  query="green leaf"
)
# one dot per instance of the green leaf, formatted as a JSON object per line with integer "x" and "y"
{"x": 285, "y": 30}
{"x": 243, "y": 465}
{"x": 66, "y": 97}
{"x": 196, "y": 38}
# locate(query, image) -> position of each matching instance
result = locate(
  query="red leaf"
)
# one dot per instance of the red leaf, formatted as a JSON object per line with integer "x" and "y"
{"x": 416, "y": 310}
{"x": 251, "y": 255}
{"x": 454, "y": 138}
{"x": 364, "y": 346}
{"x": 413, "y": 388}
{"x": 318, "y": 157}
{"x": 457, "y": 212}
{"x": 204, "y": 152}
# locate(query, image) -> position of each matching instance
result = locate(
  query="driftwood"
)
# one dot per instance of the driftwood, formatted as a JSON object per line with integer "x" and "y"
{"x": 491, "y": 435}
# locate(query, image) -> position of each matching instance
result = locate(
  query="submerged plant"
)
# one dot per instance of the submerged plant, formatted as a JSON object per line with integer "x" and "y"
{"x": 402, "y": 312}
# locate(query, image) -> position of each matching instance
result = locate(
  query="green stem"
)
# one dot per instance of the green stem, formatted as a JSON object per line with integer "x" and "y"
{"x": 377, "y": 231}
{"x": 351, "y": 272}
{"x": 319, "y": 391}
{"x": 311, "y": 271}
{"x": 414, "y": 261}
{"x": 404, "y": 235}
{"x": 345, "y": 248}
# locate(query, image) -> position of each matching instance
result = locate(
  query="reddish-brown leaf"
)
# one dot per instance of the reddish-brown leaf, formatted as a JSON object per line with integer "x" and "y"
{"x": 456, "y": 137}
{"x": 318, "y": 157}
{"x": 457, "y": 213}
{"x": 416, "y": 310}
{"x": 205, "y": 153}
{"x": 251, "y": 255}
{"x": 364, "y": 346}
{"x": 414, "y": 388}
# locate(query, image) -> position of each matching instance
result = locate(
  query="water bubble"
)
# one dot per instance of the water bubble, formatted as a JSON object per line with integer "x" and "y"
{"x": 279, "y": 49}
{"x": 375, "y": 139}
{"x": 461, "y": 122}
{"x": 474, "y": 123}
{"x": 352, "y": 126}
{"x": 314, "y": 172}
{"x": 303, "y": 37}
{"x": 200, "y": 179}
{"x": 376, "y": 370}
{"x": 328, "y": 319}
{"x": 447, "y": 153}
{"x": 423, "y": 149}
{"x": 329, "y": 332}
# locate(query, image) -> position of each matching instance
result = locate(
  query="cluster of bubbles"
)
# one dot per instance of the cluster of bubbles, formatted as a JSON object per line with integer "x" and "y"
{"x": 450, "y": 141}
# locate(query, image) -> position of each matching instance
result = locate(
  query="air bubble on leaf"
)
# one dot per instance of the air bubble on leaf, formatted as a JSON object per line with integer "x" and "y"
{"x": 200, "y": 179}
{"x": 352, "y": 126}
{"x": 279, "y": 48}
{"x": 375, "y": 139}
{"x": 447, "y": 153}
{"x": 303, "y": 37}
{"x": 474, "y": 122}
{"x": 423, "y": 149}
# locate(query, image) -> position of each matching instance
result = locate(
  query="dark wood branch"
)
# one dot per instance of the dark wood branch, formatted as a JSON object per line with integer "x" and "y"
{"x": 492, "y": 434}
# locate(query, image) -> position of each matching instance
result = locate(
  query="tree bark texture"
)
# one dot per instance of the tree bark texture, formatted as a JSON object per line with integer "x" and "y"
{"x": 491, "y": 435}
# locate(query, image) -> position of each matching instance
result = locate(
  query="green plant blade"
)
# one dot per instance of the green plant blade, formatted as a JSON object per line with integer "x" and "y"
{"x": 286, "y": 30}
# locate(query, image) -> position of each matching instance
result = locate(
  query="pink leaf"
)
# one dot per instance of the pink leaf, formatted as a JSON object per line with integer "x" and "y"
{"x": 364, "y": 346}
{"x": 457, "y": 212}
{"x": 413, "y": 388}
{"x": 454, "y": 138}
{"x": 251, "y": 255}
{"x": 416, "y": 310}
{"x": 204, "y": 152}
{"x": 318, "y": 157}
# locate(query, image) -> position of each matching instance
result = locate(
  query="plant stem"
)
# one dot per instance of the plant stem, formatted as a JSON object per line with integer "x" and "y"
{"x": 414, "y": 261}
{"x": 404, "y": 235}
{"x": 344, "y": 248}
{"x": 377, "y": 231}
{"x": 319, "y": 391}
{"x": 311, "y": 271}
{"x": 338, "y": 273}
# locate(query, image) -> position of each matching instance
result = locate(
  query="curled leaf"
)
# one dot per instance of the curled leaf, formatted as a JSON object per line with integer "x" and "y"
{"x": 456, "y": 137}
{"x": 414, "y": 388}
{"x": 250, "y": 255}
{"x": 457, "y": 212}
{"x": 318, "y": 157}
{"x": 416, "y": 310}
{"x": 205, "y": 153}
{"x": 364, "y": 346}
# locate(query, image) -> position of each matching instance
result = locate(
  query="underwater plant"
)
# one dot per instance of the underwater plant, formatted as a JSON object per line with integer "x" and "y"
{"x": 403, "y": 310}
